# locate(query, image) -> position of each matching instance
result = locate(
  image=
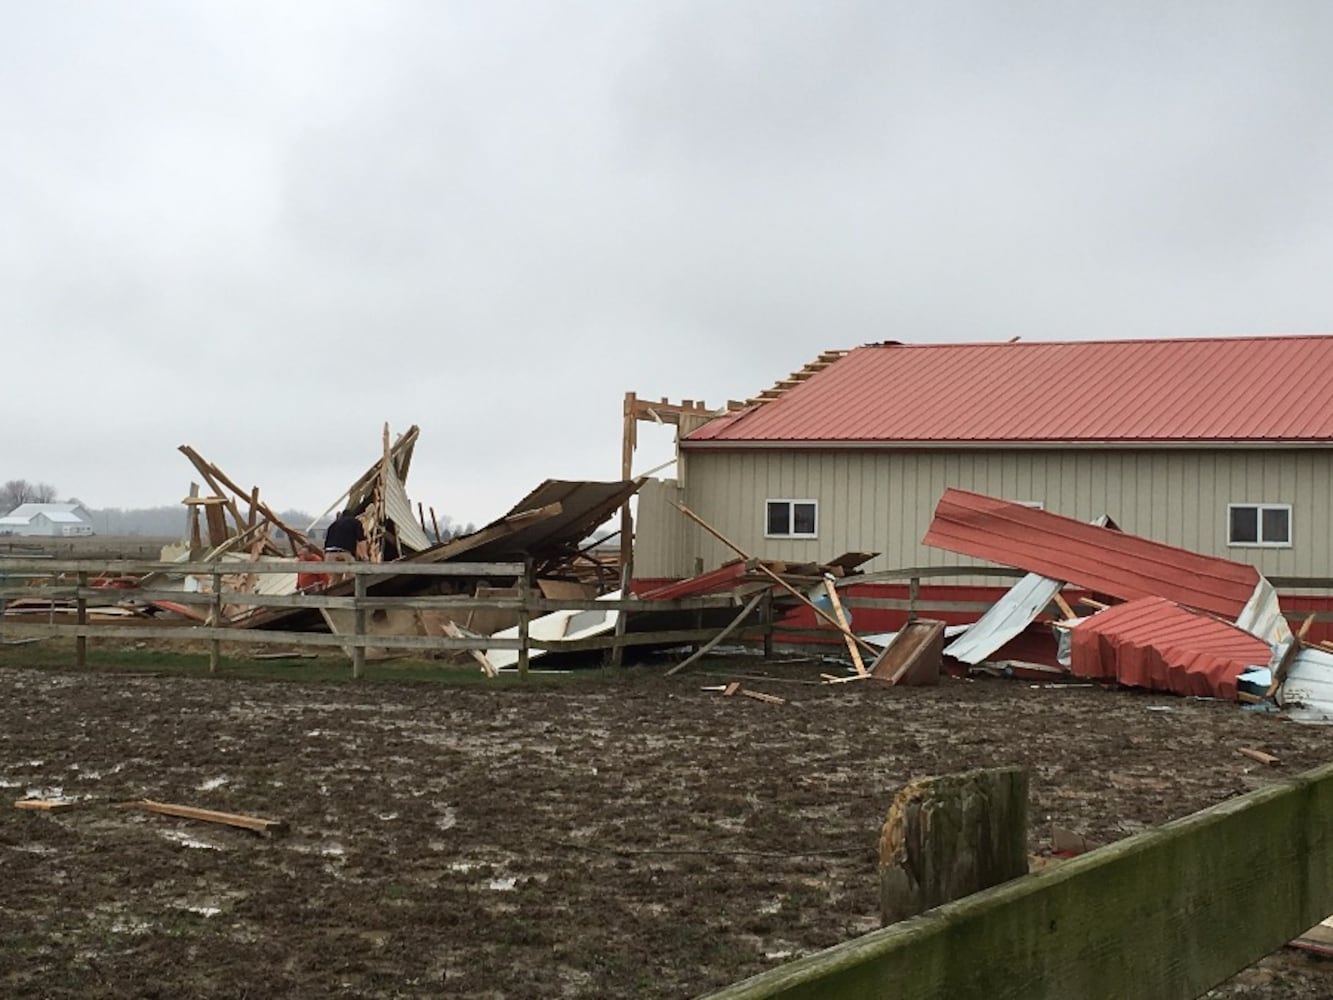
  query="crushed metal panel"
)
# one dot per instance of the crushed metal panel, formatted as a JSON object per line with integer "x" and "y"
{"x": 1156, "y": 644}
{"x": 1011, "y": 614}
{"x": 398, "y": 508}
{"x": 1262, "y": 616}
{"x": 1005, "y": 619}
{"x": 1086, "y": 555}
{"x": 557, "y": 625}
{"x": 1307, "y": 693}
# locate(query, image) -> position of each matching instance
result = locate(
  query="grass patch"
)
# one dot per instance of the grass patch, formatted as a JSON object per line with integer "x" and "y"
{"x": 59, "y": 654}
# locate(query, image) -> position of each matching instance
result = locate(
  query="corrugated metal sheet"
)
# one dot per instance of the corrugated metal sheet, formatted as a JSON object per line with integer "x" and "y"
{"x": 1307, "y": 693}
{"x": 1202, "y": 390}
{"x": 1100, "y": 559}
{"x": 583, "y": 506}
{"x": 1156, "y": 644}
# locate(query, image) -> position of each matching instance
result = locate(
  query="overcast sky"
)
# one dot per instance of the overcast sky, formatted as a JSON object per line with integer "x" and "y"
{"x": 264, "y": 229}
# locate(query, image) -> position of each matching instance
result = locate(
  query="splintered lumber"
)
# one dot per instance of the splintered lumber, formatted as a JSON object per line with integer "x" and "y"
{"x": 1064, "y": 607}
{"x": 771, "y": 699}
{"x": 272, "y": 827}
{"x": 487, "y": 667}
{"x": 1099, "y": 605}
{"x": 950, "y": 836}
{"x": 819, "y": 612}
{"x": 1259, "y": 755}
{"x": 44, "y": 805}
{"x": 841, "y": 615}
{"x": 731, "y": 689}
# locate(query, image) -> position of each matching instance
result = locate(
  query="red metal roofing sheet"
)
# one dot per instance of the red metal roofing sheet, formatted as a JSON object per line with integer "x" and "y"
{"x": 1221, "y": 389}
{"x": 1153, "y": 643}
{"x": 1103, "y": 560}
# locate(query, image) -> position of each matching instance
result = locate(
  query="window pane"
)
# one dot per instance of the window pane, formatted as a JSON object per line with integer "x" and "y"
{"x": 805, "y": 519}
{"x": 1277, "y": 525}
{"x": 779, "y": 517}
{"x": 1244, "y": 524}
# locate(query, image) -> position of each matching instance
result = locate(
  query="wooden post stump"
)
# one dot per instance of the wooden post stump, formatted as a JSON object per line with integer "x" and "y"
{"x": 951, "y": 836}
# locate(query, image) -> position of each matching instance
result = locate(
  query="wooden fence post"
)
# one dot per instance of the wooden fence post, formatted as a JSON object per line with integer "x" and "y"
{"x": 215, "y": 621}
{"x": 81, "y": 604}
{"x": 913, "y": 592}
{"x": 951, "y": 836}
{"x": 524, "y": 616}
{"x": 359, "y": 628}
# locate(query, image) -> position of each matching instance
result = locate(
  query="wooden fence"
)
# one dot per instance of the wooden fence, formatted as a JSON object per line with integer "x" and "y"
{"x": 73, "y": 581}
{"x": 1168, "y": 913}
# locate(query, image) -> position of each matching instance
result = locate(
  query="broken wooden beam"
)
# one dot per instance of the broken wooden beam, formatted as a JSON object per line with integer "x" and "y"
{"x": 1258, "y": 755}
{"x": 272, "y": 827}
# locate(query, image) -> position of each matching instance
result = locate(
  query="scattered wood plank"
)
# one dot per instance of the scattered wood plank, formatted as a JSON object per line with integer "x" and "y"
{"x": 283, "y": 656}
{"x": 44, "y": 805}
{"x": 1100, "y": 606}
{"x": 770, "y": 699}
{"x": 731, "y": 689}
{"x": 272, "y": 827}
{"x": 841, "y": 615}
{"x": 1259, "y": 755}
{"x": 846, "y": 679}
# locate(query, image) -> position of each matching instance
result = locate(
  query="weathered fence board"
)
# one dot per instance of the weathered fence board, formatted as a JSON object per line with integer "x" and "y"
{"x": 1167, "y": 914}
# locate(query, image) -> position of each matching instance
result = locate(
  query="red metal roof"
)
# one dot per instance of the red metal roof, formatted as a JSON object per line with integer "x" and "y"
{"x": 1100, "y": 559}
{"x": 1153, "y": 643}
{"x": 1131, "y": 391}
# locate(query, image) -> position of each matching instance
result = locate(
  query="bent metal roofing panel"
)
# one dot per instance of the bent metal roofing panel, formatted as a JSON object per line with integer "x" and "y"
{"x": 1152, "y": 643}
{"x": 1239, "y": 389}
{"x": 1100, "y": 559}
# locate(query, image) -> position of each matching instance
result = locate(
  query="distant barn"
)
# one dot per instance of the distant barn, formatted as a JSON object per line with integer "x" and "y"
{"x": 60, "y": 520}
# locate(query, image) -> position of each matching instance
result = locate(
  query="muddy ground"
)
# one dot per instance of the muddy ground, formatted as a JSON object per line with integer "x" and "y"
{"x": 631, "y": 838}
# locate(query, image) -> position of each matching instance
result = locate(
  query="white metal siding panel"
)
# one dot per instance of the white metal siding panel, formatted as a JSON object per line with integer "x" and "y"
{"x": 883, "y": 502}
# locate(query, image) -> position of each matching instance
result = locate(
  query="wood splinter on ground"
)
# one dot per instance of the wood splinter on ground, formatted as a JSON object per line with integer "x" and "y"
{"x": 1259, "y": 755}
{"x": 44, "y": 805}
{"x": 272, "y": 827}
{"x": 735, "y": 688}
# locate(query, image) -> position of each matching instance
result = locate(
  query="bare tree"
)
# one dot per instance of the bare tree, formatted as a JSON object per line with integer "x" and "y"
{"x": 19, "y": 491}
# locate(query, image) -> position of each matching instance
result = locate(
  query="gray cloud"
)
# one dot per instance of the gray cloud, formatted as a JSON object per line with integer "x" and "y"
{"x": 265, "y": 229}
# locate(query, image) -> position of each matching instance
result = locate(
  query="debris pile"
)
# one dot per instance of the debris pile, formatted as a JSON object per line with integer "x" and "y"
{"x": 1162, "y": 618}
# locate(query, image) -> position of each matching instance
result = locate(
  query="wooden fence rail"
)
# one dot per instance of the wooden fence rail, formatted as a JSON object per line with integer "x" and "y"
{"x": 1168, "y": 913}
{"x": 24, "y": 580}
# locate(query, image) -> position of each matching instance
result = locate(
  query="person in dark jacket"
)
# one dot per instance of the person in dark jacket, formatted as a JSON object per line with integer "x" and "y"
{"x": 345, "y": 541}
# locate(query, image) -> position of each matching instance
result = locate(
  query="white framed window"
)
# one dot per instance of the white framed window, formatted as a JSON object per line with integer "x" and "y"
{"x": 1259, "y": 524}
{"x": 791, "y": 518}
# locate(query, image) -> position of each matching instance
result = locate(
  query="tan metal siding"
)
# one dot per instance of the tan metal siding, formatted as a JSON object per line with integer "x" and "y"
{"x": 876, "y": 501}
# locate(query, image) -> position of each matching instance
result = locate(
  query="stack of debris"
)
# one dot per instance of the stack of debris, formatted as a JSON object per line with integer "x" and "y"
{"x": 1162, "y": 618}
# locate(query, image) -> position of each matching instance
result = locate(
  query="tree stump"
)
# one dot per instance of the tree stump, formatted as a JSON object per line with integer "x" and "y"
{"x": 950, "y": 836}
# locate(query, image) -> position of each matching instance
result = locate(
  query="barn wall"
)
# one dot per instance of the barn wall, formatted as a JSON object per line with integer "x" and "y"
{"x": 883, "y": 501}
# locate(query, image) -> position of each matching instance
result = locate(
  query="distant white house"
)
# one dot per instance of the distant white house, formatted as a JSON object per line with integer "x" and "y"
{"x": 50, "y": 519}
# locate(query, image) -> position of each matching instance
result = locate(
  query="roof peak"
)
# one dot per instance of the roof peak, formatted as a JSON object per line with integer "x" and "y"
{"x": 1018, "y": 342}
